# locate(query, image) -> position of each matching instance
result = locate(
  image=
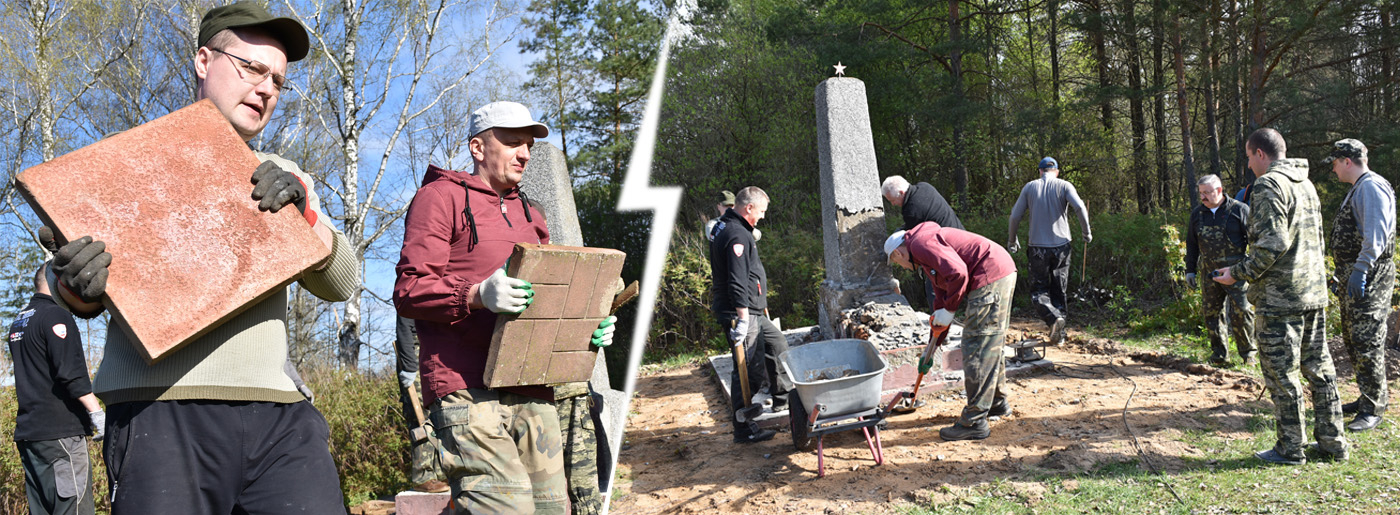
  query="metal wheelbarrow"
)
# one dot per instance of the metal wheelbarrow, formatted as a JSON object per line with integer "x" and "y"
{"x": 837, "y": 387}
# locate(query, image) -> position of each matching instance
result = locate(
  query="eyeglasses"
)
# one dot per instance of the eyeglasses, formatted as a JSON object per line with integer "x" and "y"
{"x": 255, "y": 72}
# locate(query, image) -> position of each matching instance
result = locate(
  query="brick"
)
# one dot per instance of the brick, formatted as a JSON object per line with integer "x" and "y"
{"x": 421, "y": 503}
{"x": 534, "y": 369}
{"x": 189, "y": 248}
{"x": 611, "y": 267}
{"x": 576, "y": 335}
{"x": 549, "y": 302}
{"x": 549, "y": 342}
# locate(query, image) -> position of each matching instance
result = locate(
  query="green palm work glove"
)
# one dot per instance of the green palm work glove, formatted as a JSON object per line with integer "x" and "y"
{"x": 603, "y": 336}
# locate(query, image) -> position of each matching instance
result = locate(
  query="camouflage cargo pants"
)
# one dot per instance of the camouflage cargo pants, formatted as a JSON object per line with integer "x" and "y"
{"x": 1364, "y": 331}
{"x": 1289, "y": 343}
{"x": 987, "y": 312}
{"x": 1213, "y": 296}
{"x": 580, "y": 454}
{"x": 501, "y": 452}
{"x": 423, "y": 455}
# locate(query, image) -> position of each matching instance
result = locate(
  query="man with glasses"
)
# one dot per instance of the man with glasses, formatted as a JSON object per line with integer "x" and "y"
{"x": 218, "y": 426}
{"x": 1216, "y": 235}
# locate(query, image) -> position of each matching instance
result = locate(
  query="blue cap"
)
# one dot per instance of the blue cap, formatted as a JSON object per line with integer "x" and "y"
{"x": 1049, "y": 162}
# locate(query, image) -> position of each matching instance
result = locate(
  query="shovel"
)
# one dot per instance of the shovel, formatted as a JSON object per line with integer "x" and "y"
{"x": 907, "y": 402}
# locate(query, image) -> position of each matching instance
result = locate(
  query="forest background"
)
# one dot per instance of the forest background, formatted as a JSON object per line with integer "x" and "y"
{"x": 1135, "y": 98}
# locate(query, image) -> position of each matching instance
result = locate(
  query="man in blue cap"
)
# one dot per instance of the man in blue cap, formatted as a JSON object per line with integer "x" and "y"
{"x": 1046, "y": 200}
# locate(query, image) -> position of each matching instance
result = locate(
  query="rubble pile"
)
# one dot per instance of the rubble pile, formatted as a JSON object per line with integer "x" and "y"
{"x": 888, "y": 325}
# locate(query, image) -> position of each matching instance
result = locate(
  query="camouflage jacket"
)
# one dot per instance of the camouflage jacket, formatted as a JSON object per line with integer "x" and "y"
{"x": 1216, "y": 239}
{"x": 1284, "y": 263}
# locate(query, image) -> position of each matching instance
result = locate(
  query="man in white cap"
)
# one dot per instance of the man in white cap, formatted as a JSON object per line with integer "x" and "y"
{"x": 966, "y": 268}
{"x": 501, "y": 448}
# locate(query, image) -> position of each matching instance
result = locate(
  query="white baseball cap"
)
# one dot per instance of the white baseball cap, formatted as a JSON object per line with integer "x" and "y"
{"x": 507, "y": 115}
{"x": 893, "y": 242}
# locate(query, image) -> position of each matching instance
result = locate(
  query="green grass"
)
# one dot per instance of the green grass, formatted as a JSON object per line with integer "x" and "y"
{"x": 1225, "y": 479}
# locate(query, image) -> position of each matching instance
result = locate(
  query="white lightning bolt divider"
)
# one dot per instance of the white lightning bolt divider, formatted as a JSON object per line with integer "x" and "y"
{"x": 639, "y": 195}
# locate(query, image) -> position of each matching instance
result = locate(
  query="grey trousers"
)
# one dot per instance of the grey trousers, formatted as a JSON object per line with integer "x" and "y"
{"x": 57, "y": 476}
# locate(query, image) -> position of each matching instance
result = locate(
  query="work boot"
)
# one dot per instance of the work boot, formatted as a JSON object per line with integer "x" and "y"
{"x": 1249, "y": 359}
{"x": 1000, "y": 408}
{"x": 957, "y": 431}
{"x": 1364, "y": 422}
{"x": 1273, "y": 457}
{"x": 1218, "y": 360}
{"x": 1350, "y": 408}
{"x": 1057, "y": 331}
{"x": 1317, "y": 453}
{"x": 751, "y": 433}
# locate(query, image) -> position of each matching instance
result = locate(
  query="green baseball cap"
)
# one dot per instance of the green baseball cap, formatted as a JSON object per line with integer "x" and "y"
{"x": 728, "y": 198}
{"x": 1348, "y": 148}
{"x": 247, "y": 13}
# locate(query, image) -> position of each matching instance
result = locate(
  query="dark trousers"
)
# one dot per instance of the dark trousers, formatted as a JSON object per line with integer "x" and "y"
{"x": 57, "y": 476}
{"x": 762, "y": 346}
{"x": 1049, "y": 281}
{"x": 217, "y": 458}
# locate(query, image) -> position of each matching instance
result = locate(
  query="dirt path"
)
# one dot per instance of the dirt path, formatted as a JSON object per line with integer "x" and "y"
{"x": 680, "y": 458}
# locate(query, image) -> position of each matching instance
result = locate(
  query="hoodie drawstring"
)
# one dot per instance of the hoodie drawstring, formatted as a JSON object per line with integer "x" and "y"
{"x": 471, "y": 220}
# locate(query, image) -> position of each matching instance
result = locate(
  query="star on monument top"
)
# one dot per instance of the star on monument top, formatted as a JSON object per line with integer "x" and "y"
{"x": 840, "y": 70}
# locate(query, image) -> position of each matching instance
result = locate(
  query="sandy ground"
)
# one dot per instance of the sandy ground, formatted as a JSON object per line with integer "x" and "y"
{"x": 679, "y": 456}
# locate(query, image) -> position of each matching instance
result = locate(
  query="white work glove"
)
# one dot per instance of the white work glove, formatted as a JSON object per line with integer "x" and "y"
{"x": 740, "y": 331}
{"x": 603, "y": 336}
{"x": 1088, "y": 238}
{"x": 99, "y": 424}
{"x": 1191, "y": 280}
{"x": 942, "y": 317}
{"x": 504, "y": 294}
{"x": 757, "y": 234}
{"x": 1014, "y": 245}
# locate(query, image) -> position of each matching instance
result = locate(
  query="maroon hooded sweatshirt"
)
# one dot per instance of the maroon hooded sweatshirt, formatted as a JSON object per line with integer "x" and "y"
{"x": 956, "y": 261}
{"x": 447, "y": 248}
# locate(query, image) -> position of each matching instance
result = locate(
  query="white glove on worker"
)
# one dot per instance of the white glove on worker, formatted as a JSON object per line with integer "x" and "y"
{"x": 603, "y": 336}
{"x": 99, "y": 424}
{"x": 504, "y": 294}
{"x": 740, "y": 331}
{"x": 1014, "y": 245}
{"x": 942, "y": 317}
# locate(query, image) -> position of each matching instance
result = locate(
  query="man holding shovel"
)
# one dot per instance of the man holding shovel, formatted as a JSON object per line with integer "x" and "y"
{"x": 965, "y": 268}
{"x": 740, "y": 305}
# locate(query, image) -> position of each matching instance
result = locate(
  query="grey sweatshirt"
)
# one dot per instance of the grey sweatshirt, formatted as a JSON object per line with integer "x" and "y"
{"x": 1373, "y": 201}
{"x": 1047, "y": 200}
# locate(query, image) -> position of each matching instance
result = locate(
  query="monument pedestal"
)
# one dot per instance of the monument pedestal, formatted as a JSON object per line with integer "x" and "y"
{"x": 836, "y": 298}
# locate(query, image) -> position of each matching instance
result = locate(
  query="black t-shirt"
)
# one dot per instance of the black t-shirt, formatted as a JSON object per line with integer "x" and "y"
{"x": 50, "y": 372}
{"x": 923, "y": 203}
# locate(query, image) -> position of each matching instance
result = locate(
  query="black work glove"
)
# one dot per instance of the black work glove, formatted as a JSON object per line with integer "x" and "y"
{"x": 81, "y": 266}
{"x": 1356, "y": 285}
{"x": 47, "y": 239}
{"x": 276, "y": 188}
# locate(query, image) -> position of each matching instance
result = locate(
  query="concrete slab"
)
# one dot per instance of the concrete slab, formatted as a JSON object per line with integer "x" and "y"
{"x": 549, "y": 342}
{"x": 421, "y": 503}
{"x": 172, "y": 201}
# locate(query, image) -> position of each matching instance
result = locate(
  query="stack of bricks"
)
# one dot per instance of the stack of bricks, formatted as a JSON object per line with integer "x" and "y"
{"x": 548, "y": 343}
{"x": 172, "y": 200}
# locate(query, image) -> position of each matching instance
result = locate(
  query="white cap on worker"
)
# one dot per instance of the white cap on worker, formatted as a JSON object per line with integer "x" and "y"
{"x": 507, "y": 115}
{"x": 893, "y": 242}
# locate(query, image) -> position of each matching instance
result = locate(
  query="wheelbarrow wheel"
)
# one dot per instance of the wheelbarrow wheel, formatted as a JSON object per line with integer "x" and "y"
{"x": 797, "y": 422}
